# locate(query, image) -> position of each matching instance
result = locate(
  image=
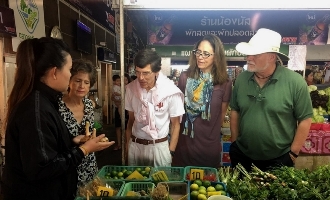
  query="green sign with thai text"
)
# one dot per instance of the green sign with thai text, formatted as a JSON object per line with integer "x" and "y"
{"x": 185, "y": 51}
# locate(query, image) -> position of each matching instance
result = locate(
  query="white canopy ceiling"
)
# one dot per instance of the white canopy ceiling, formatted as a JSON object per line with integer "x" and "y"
{"x": 226, "y": 4}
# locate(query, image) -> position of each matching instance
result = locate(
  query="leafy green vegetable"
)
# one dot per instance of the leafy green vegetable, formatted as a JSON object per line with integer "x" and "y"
{"x": 97, "y": 126}
{"x": 281, "y": 183}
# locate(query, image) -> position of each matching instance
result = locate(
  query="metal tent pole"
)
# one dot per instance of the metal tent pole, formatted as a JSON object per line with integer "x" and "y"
{"x": 122, "y": 68}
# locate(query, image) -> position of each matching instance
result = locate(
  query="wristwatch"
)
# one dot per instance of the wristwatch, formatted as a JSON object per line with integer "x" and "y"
{"x": 172, "y": 153}
{"x": 293, "y": 154}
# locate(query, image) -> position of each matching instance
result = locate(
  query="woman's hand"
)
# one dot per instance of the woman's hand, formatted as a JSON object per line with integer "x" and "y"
{"x": 95, "y": 144}
{"x": 77, "y": 139}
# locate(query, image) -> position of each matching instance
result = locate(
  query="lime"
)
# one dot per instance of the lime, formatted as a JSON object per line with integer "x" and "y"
{"x": 143, "y": 173}
{"x": 194, "y": 186}
{"x": 115, "y": 177}
{"x": 218, "y": 187}
{"x": 147, "y": 169}
{"x": 206, "y": 184}
{"x": 201, "y": 191}
{"x": 210, "y": 189}
{"x": 223, "y": 192}
{"x": 120, "y": 174}
{"x": 201, "y": 197}
{"x": 138, "y": 169}
{"x": 198, "y": 182}
{"x": 127, "y": 173}
{"x": 194, "y": 194}
{"x": 114, "y": 173}
{"x": 202, "y": 188}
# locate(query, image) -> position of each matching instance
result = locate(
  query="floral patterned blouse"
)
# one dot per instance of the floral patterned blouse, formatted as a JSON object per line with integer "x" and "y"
{"x": 88, "y": 168}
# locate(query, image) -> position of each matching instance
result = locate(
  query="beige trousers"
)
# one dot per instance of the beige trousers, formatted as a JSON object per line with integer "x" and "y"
{"x": 155, "y": 155}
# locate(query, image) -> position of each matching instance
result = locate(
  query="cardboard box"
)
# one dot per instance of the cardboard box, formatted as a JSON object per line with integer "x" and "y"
{"x": 310, "y": 161}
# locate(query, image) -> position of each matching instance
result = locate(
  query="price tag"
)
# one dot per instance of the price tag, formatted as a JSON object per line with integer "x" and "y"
{"x": 134, "y": 175}
{"x": 104, "y": 191}
{"x": 196, "y": 174}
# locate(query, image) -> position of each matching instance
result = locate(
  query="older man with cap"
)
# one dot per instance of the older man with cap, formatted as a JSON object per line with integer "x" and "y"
{"x": 271, "y": 108}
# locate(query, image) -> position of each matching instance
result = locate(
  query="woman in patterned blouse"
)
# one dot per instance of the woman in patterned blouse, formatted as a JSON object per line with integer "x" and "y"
{"x": 76, "y": 110}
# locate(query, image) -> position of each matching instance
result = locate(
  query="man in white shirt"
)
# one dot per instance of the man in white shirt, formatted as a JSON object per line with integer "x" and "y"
{"x": 152, "y": 101}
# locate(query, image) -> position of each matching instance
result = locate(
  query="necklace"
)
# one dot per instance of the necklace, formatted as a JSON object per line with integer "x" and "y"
{"x": 262, "y": 77}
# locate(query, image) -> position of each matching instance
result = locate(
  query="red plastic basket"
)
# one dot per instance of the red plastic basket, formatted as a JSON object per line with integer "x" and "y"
{"x": 315, "y": 126}
{"x": 325, "y": 127}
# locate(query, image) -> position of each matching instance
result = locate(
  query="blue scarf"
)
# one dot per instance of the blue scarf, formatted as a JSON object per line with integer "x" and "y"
{"x": 198, "y": 95}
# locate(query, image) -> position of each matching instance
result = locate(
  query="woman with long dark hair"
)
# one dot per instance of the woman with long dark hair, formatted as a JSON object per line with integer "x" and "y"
{"x": 41, "y": 156}
{"x": 207, "y": 90}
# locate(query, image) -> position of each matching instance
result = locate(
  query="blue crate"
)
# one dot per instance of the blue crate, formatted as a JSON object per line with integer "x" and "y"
{"x": 226, "y": 164}
{"x": 225, "y": 146}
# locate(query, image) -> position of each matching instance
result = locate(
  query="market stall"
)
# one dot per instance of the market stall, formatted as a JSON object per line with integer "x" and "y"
{"x": 201, "y": 183}
{"x": 316, "y": 150}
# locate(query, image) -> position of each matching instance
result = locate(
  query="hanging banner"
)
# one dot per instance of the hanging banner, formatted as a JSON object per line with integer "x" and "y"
{"x": 297, "y": 57}
{"x": 29, "y": 18}
{"x": 99, "y": 10}
{"x": 186, "y": 27}
{"x": 166, "y": 66}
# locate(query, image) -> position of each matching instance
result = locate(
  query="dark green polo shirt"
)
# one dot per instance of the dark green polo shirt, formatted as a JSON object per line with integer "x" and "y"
{"x": 268, "y": 116}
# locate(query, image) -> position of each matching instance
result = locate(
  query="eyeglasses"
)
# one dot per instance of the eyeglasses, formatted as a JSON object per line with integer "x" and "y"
{"x": 137, "y": 73}
{"x": 204, "y": 54}
{"x": 258, "y": 98}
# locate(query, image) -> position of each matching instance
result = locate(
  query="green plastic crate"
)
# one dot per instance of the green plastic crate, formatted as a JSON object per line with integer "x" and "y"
{"x": 136, "y": 187}
{"x": 108, "y": 169}
{"x": 115, "y": 184}
{"x": 177, "y": 190}
{"x": 172, "y": 173}
{"x": 210, "y": 173}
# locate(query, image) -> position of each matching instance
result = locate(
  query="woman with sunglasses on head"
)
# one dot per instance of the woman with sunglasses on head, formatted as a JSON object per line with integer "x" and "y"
{"x": 41, "y": 155}
{"x": 207, "y": 90}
